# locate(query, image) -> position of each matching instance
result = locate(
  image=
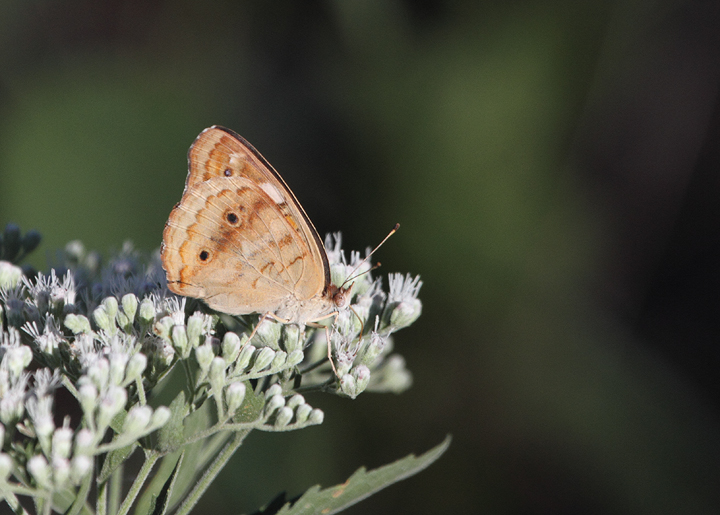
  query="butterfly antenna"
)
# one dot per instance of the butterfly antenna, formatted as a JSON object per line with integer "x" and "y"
{"x": 352, "y": 274}
{"x": 353, "y": 277}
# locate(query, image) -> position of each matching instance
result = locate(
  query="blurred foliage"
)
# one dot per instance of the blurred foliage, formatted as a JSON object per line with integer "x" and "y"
{"x": 553, "y": 166}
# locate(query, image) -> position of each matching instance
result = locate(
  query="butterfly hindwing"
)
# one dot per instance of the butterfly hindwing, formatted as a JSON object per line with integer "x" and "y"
{"x": 228, "y": 243}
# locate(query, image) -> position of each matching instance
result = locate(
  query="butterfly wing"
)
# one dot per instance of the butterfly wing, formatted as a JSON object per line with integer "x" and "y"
{"x": 239, "y": 239}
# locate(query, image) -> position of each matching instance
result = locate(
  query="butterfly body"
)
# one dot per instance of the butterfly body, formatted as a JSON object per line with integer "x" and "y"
{"x": 240, "y": 241}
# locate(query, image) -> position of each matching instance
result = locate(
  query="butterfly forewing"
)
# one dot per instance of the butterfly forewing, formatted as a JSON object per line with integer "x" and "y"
{"x": 238, "y": 239}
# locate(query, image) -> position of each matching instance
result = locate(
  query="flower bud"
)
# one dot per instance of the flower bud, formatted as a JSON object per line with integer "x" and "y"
{"x": 279, "y": 360}
{"x": 348, "y": 386}
{"x": 12, "y": 407}
{"x": 118, "y": 362}
{"x": 397, "y": 377}
{"x": 80, "y": 467}
{"x": 84, "y": 442}
{"x": 17, "y": 359}
{"x": 267, "y": 333}
{"x": 40, "y": 471}
{"x": 10, "y": 275}
{"x": 195, "y": 326}
{"x": 316, "y": 417}
{"x": 234, "y": 396}
{"x": 292, "y": 338}
{"x": 163, "y": 327}
{"x": 62, "y": 442}
{"x": 99, "y": 373}
{"x": 275, "y": 389}
{"x": 262, "y": 359}
{"x": 343, "y": 365}
{"x": 88, "y": 396}
{"x": 110, "y": 405}
{"x": 135, "y": 367}
{"x": 338, "y": 273}
{"x": 130, "y": 305}
{"x": 111, "y": 307}
{"x": 180, "y": 340}
{"x": 103, "y": 319}
{"x": 204, "y": 355}
{"x": 164, "y": 355}
{"x": 373, "y": 349}
{"x": 230, "y": 346}
{"x": 295, "y": 401}
{"x": 405, "y": 313}
{"x": 78, "y": 324}
{"x": 217, "y": 375}
{"x": 147, "y": 311}
{"x": 284, "y": 416}
{"x": 246, "y": 354}
{"x": 160, "y": 417}
{"x": 274, "y": 403}
{"x": 126, "y": 317}
{"x": 361, "y": 373}
{"x": 137, "y": 420}
{"x": 75, "y": 251}
{"x": 61, "y": 472}
{"x": 294, "y": 358}
{"x": 6, "y": 467}
{"x": 302, "y": 413}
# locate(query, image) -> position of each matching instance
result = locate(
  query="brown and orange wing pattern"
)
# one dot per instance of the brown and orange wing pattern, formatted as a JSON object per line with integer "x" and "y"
{"x": 239, "y": 239}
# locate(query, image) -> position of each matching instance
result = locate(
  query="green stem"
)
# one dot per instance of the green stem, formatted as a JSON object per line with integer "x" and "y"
{"x": 219, "y": 404}
{"x": 67, "y": 383}
{"x": 141, "y": 391}
{"x": 313, "y": 366}
{"x": 150, "y": 459}
{"x": 14, "y": 502}
{"x": 47, "y": 505}
{"x": 189, "y": 379}
{"x": 116, "y": 483}
{"x": 81, "y": 496}
{"x": 211, "y": 448}
{"x": 315, "y": 387}
{"x": 101, "y": 502}
{"x": 211, "y": 473}
{"x": 23, "y": 490}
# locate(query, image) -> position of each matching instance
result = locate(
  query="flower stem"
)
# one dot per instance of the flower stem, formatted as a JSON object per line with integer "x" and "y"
{"x": 150, "y": 459}
{"x": 81, "y": 496}
{"x": 141, "y": 391}
{"x": 212, "y": 472}
{"x": 101, "y": 502}
{"x": 14, "y": 503}
{"x": 116, "y": 483}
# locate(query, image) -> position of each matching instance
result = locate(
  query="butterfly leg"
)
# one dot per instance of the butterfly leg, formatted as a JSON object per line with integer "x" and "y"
{"x": 260, "y": 321}
{"x": 314, "y": 324}
{"x": 267, "y": 316}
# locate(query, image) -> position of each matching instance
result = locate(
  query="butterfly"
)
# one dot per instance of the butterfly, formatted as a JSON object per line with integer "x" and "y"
{"x": 241, "y": 242}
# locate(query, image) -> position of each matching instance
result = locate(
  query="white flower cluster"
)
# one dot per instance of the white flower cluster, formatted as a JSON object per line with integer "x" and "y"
{"x": 361, "y": 334}
{"x": 109, "y": 335}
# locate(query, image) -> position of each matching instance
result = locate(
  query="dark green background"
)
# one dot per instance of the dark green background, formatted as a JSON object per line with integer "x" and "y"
{"x": 554, "y": 166}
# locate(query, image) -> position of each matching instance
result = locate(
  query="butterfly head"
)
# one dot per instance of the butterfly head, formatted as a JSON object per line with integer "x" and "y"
{"x": 340, "y": 295}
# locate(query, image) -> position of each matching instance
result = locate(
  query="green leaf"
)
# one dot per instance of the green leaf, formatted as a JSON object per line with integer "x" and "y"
{"x": 159, "y": 504}
{"x": 185, "y": 475}
{"x": 170, "y": 436}
{"x": 116, "y": 424}
{"x": 361, "y": 484}
{"x": 251, "y": 407}
{"x": 113, "y": 460}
